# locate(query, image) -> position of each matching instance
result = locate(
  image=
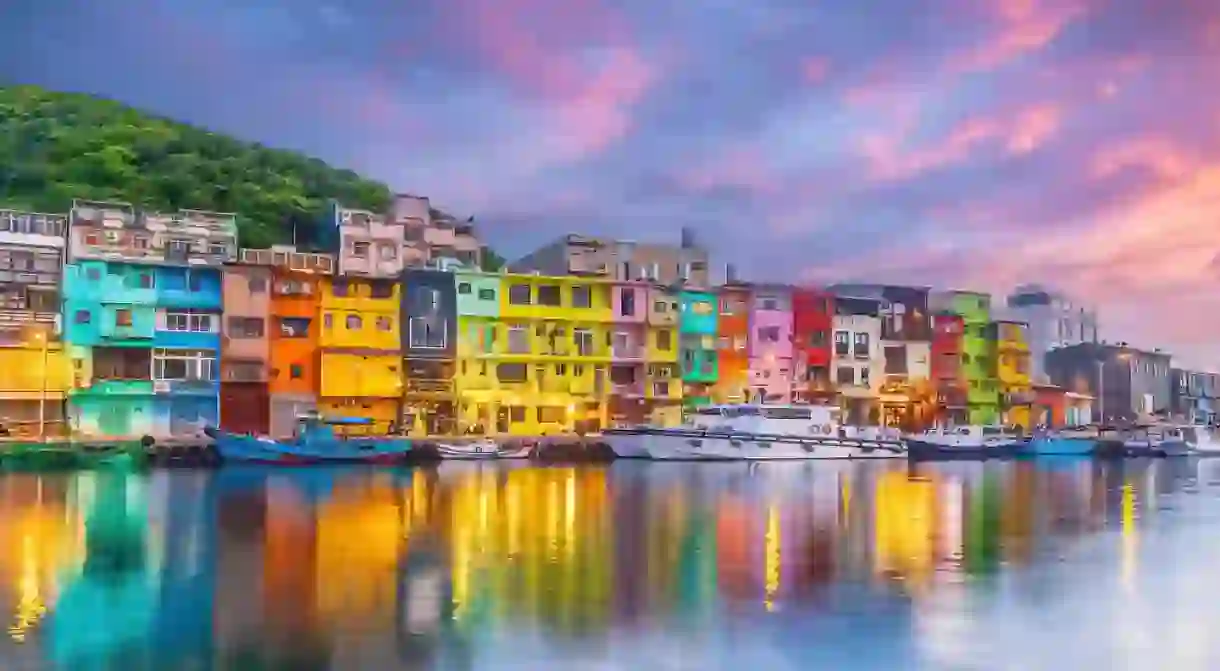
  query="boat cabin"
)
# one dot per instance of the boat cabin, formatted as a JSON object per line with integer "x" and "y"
{"x": 769, "y": 419}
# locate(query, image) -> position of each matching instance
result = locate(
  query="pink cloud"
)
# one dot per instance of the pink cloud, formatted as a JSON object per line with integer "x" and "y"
{"x": 744, "y": 167}
{"x": 1023, "y": 27}
{"x": 815, "y": 69}
{"x": 1158, "y": 155}
{"x": 599, "y": 114}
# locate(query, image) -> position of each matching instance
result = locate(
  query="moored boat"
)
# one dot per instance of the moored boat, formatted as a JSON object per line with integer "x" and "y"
{"x": 1065, "y": 442}
{"x": 316, "y": 442}
{"x": 484, "y": 448}
{"x": 964, "y": 442}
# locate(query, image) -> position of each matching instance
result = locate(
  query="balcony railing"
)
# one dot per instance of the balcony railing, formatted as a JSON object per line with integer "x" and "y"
{"x": 425, "y": 386}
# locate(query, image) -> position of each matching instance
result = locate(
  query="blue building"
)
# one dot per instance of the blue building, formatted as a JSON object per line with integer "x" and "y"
{"x": 142, "y": 311}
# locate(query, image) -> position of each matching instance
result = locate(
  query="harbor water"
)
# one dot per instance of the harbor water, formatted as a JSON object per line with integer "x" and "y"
{"x": 1049, "y": 564}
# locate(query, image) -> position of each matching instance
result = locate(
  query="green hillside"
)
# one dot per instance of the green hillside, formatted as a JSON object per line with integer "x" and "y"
{"x": 58, "y": 146}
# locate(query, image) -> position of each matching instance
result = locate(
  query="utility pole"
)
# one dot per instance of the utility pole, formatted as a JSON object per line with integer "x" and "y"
{"x": 1101, "y": 390}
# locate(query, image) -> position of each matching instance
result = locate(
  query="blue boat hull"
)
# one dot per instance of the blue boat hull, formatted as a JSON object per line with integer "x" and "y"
{"x": 1059, "y": 445}
{"x": 250, "y": 449}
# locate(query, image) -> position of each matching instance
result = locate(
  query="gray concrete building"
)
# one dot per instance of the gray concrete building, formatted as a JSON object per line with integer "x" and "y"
{"x": 621, "y": 260}
{"x": 1128, "y": 383}
{"x": 1054, "y": 321}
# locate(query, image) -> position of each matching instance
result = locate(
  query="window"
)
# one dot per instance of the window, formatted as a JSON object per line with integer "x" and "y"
{"x": 626, "y": 307}
{"x": 427, "y": 333}
{"x": 93, "y": 274}
{"x": 549, "y": 295}
{"x": 518, "y": 340}
{"x": 294, "y": 327}
{"x": 388, "y": 252}
{"x": 256, "y": 285}
{"x": 245, "y": 327}
{"x": 702, "y": 308}
{"x": 516, "y": 413}
{"x": 664, "y": 340}
{"x": 896, "y": 360}
{"x": 145, "y": 281}
{"x": 339, "y": 288}
{"x": 660, "y": 307}
{"x": 511, "y": 372}
{"x": 381, "y": 289}
{"x": 582, "y": 297}
{"x": 861, "y": 345}
{"x": 296, "y": 371}
{"x": 186, "y": 364}
{"x": 620, "y": 342}
{"x": 464, "y": 288}
{"x": 583, "y": 338}
{"x": 660, "y": 388}
{"x": 384, "y": 324}
{"x": 360, "y": 249}
{"x": 353, "y": 322}
{"x": 81, "y": 317}
{"x": 864, "y": 377}
{"x": 91, "y": 239}
{"x": 519, "y": 294}
{"x": 769, "y": 304}
{"x": 122, "y": 317}
{"x": 768, "y": 334}
{"x": 817, "y": 339}
{"x": 487, "y": 294}
{"x": 552, "y": 414}
{"x": 328, "y": 321}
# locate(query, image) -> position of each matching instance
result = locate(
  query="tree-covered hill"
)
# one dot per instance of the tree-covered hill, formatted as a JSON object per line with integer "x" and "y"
{"x": 58, "y": 146}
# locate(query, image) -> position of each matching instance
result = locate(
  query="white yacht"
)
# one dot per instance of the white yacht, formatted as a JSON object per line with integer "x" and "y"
{"x": 964, "y": 442}
{"x": 1171, "y": 440}
{"x": 754, "y": 433}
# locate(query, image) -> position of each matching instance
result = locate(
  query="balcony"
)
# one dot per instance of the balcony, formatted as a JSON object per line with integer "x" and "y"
{"x": 629, "y": 390}
{"x": 951, "y": 398}
{"x": 982, "y": 396}
{"x": 663, "y": 389}
{"x": 426, "y": 386}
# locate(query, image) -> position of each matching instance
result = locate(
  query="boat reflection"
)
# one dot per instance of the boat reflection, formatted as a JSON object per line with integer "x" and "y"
{"x": 445, "y": 566}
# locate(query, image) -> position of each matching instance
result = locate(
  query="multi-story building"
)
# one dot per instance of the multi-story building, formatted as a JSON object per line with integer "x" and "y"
{"x": 733, "y": 358}
{"x": 430, "y": 235}
{"x": 1012, "y": 357}
{"x": 771, "y": 343}
{"x": 360, "y": 367}
{"x": 1054, "y": 321}
{"x": 245, "y": 351}
{"x": 978, "y": 363}
{"x": 628, "y": 403}
{"x": 34, "y": 369}
{"x": 856, "y": 359}
{"x": 1193, "y": 395}
{"x": 697, "y": 345}
{"x": 142, "y": 292}
{"x": 947, "y": 371}
{"x": 297, "y": 282}
{"x": 662, "y": 376}
{"x": 905, "y": 393}
{"x": 622, "y": 260}
{"x": 478, "y": 316}
{"x": 812, "y": 323}
{"x": 430, "y": 336}
{"x": 1127, "y": 383}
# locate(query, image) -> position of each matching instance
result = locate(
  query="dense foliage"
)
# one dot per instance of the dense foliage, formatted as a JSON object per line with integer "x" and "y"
{"x": 58, "y": 146}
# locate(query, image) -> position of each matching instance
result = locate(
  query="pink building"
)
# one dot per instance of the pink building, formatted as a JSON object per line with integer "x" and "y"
{"x": 771, "y": 349}
{"x": 628, "y": 351}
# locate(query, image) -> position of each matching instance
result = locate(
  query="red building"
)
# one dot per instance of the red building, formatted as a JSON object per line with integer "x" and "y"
{"x": 1050, "y": 405}
{"x": 812, "y": 314}
{"x": 946, "y": 367}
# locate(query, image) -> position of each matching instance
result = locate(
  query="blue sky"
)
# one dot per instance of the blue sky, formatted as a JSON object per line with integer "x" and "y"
{"x": 954, "y": 143}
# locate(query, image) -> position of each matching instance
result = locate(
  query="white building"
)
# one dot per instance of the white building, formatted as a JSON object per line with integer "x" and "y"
{"x": 1054, "y": 321}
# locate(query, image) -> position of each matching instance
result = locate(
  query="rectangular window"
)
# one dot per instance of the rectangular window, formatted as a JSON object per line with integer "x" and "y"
{"x": 122, "y": 317}
{"x": 487, "y": 294}
{"x": 194, "y": 281}
{"x": 702, "y": 308}
{"x": 896, "y": 360}
{"x": 664, "y": 340}
{"x": 548, "y": 295}
{"x": 184, "y": 365}
{"x": 339, "y": 288}
{"x": 769, "y": 304}
{"x": 861, "y": 345}
{"x": 511, "y": 372}
{"x": 552, "y": 414}
{"x": 384, "y": 324}
{"x": 245, "y": 327}
{"x": 353, "y": 323}
{"x": 388, "y": 252}
{"x": 582, "y": 297}
{"x": 294, "y": 327}
{"x": 81, "y": 317}
{"x": 660, "y": 307}
{"x": 464, "y": 288}
{"x": 817, "y": 339}
{"x": 864, "y": 377}
{"x": 518, "y": 340}
{"x": 427, "y": 333}
{"x": 768, "y": 334}
{"x": 626, "y": 306}
{"x": 519, "y": 294}
{"x": 360, "y": 249}
{"x": 381, "y": 289}
{"x": 583, "y": 338}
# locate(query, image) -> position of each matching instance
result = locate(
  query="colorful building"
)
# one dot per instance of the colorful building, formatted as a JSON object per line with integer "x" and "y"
{"x": 947, "y": 373}
{"x": 733, "y": 358}
{"x": 430, "y": 345}
{"x": 142, "y": 297}
{"x": 628, "y": 403}
{"x": 812, "y": 323}
{"x": 245, "y": 352}
{"x": 697, "y": 345}
{"x": 857, "y": 360}
{"x": 771, "y": 344}
{"x": 663, "y": 378}
{"x": 1012, "y": 355}
{"x": 978, "y": 364}
{"x": 34, "y": 368}
{"x": 297, "y": 281}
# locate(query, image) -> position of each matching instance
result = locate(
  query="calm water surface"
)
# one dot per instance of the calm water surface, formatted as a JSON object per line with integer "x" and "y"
{"x": 1055, "y": 565}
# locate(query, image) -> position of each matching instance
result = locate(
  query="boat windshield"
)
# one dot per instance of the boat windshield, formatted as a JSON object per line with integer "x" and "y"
{"x": 743, "y": 411}
{"x": 710, "y": 412}
{"x": 992, "y": 431}
{"x": 786, "y": 413}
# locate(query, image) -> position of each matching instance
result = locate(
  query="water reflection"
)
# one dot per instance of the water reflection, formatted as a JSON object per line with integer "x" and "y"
{"x": 872, "y": 565}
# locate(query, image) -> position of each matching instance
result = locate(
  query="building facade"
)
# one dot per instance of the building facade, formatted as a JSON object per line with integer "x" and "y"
{"x": 978, "y": 364}
{"x": 34, "y": 367}
{"x": 663, "y": 375}
{"x": 697, "y": 329}
{"x": 293, "y": 329}
{"x": 624, "y": 260}
{"x": 629, "y": 347}
{"x": 812, "y": 323}
{"x": 733, "y": 355}
{"x": 771, "y": 351}
{"x": 245, "y": 350}
{"x": 1054, "y": 321}
{"x": 1193, "y": 395}
{"x": 430, "y": 343}
{"x": 859, "y": 366}
{"x": 948, "y": 377}
{"x": 142, "y": 292}
{"x": 1128, "y": 384}
{"x": 1012, "y": 357}
{"x": 430, "y": 236}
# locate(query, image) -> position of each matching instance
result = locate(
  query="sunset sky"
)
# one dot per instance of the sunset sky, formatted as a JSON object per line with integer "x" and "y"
{"x": 952, "y": 143}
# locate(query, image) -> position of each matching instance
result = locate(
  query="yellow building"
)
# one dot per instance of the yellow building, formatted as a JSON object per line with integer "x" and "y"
{"x": 663, "y": 377}
{"x": 359, "y": 344}
{"x": 533, "y": 361}
{"x": 1012, "y": 368}
{"x": 35, "y": 374}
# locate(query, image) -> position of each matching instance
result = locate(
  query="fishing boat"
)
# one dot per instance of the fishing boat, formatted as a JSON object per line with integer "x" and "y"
{"x": 315, "y": 442}
{"x": 38, "y": 456}
{"x": 482, "y": 449}
{"x": 1075, "y": 441}
{"x": 753, "y": 432}
{"x": 964, "y": 442}
{"x": 1158, "y": 439}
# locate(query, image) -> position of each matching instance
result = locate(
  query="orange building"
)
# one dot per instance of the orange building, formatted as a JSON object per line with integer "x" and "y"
{"x": 734, "y": 346}
{"x": 296, "y": 285}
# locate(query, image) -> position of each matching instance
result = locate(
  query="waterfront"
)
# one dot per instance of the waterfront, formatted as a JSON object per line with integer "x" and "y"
{"x": 1022, "y": 565}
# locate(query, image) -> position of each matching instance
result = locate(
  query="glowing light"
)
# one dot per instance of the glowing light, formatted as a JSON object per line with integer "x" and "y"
{"x": 772, "y": 558}
{"x": 1130, "y": 534}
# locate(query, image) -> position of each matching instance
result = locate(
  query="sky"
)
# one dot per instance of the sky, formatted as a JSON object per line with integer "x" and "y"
{"x": 951, "y": 143}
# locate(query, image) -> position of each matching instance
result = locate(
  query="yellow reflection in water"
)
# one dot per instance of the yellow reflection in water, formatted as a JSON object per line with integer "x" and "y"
{"x": 904, "y": 527}
{"x": 359, "y": 532}
{"x": 772, "y": 557}
{"x": 1130, "y": 536}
